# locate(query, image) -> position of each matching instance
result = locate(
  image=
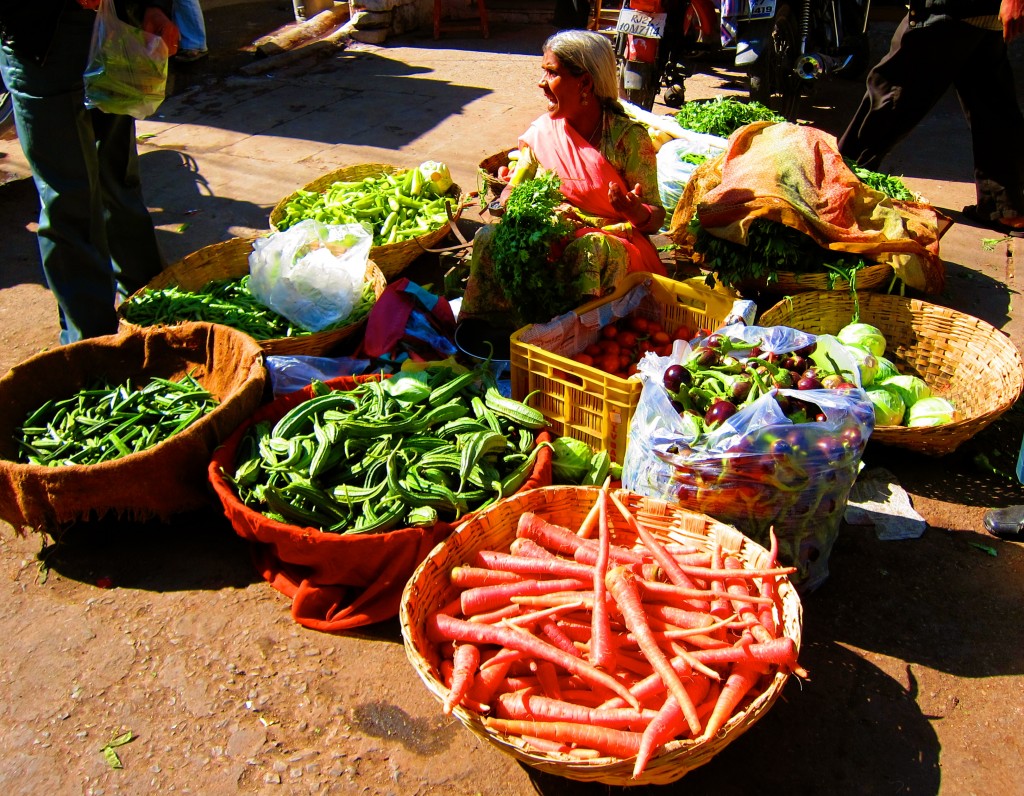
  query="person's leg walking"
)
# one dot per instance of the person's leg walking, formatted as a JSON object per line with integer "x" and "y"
{"x": 55, "y": 131}
{"x": 188, "y": 16}
{"x": 901, "y": 89}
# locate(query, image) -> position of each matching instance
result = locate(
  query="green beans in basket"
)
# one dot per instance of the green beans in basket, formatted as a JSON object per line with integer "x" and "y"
{"x": 105, "y": 423}
{"x": 228, "y": 302}
{"x": 401, "y": 452}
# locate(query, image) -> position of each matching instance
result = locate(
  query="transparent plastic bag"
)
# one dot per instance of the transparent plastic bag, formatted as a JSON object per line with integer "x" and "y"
{"x": 757, "y": 470}
{"x": 311, "y": 273}
{"x": 127, "y": 70}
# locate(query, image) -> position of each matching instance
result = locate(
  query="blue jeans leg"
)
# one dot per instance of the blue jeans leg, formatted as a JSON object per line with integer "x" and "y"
{"x": 188, "y": 16}
{"x": 85, "y": 167}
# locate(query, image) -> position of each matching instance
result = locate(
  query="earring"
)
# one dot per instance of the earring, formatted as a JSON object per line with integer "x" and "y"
{"x": 584, "y": 98}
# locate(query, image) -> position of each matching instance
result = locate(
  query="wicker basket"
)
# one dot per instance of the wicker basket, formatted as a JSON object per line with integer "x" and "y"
{"x": 230, "y": 259}
{"x": 494, "y": 528}
{"x": 488, "y": 184}
{"x": 963, "y": 359}
{"x": 391, "y": 258}
{"x": 870, "y": 278}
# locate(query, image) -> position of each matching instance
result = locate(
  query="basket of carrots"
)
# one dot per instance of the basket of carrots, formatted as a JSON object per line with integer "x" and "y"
{"x": 601, "y": 635}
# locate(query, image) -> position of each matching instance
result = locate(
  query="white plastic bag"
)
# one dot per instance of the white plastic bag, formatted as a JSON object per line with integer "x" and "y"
{"x": 311, "y": 273}
{"x": 674, "y": 172}
{"x": 127, "y": 70}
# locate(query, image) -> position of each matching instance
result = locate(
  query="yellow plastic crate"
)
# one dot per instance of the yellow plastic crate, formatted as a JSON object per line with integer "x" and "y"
{"x": 584, "y": 402}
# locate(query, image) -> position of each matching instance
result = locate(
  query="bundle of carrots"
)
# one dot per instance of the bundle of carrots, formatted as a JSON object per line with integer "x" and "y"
{"x": 593, "y": 649}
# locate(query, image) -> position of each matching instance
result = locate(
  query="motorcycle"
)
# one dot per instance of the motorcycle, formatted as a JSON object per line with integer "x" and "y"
{"x": 653, "y": 40}
{"x": 786, "y": 46}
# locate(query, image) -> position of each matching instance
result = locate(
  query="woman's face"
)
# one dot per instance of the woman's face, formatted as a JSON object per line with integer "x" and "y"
{"x": 562, "y": 89}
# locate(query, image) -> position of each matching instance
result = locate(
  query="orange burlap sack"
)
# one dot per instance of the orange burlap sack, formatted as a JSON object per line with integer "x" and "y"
{"x": 336, "y": 582}
{"x": 168, "y": 478}
{"x": 794, "y": 175}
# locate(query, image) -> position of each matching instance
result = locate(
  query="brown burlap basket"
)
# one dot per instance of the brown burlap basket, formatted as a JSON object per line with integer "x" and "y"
{"x": 230, "y": 259}
{"x": 494, "y": 529}
{"x": 488, "y": 185}
{"x": 874, "y": 277}
{"x": 962, "y": 358}
{"x": 391, "y": 258}
{"x": 163, "y": 480}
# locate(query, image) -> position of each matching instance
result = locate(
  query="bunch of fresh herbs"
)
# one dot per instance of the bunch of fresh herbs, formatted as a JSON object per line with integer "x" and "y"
{"x": 772, "y": 248}
{"x": 893, "y": 187}
{"x": 722, "y": 116}
{"x": 526, "y": 243}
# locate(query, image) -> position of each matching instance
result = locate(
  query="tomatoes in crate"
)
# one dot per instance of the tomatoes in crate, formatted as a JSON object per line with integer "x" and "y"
{"x": 622, "y": 344}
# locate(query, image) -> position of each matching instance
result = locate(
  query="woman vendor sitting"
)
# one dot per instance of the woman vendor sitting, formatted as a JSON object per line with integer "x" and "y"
{"x": 607, "y": 169}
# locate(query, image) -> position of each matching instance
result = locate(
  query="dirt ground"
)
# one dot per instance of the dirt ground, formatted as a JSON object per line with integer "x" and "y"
{"x": 167, "y": 632}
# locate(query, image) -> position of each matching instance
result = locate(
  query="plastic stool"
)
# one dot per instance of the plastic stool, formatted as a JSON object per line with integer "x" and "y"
{"x": 483, "y": 18}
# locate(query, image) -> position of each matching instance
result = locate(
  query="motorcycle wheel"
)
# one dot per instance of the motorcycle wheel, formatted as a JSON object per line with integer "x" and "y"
{"x": 772, "y": 81}
{"x": 7, "y": 130}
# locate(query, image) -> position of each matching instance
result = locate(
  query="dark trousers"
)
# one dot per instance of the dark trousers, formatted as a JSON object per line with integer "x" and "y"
{"x": 922, "y": 63}
{"x": 96, "y": 237}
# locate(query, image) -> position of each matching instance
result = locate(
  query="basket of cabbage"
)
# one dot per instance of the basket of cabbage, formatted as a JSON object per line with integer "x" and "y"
{"x": 935, "y": 376}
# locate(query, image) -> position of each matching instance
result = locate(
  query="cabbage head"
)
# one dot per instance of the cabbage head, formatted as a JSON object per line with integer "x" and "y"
{"x": 863, "y": 335}
{"x": 866, "y": 363}
{"x": 889, "y": 407}
{"x": 885, "y": 370}
{"x": 570, "y": 461}
{"x": 910, "y": 388}
{"x": 932, "y": 411}
{"x": 436, "y": 175}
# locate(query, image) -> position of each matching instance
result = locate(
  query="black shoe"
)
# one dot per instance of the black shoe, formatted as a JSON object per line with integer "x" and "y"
{"x": 1013, "y": 225}
{"x": 1007, "y": 522}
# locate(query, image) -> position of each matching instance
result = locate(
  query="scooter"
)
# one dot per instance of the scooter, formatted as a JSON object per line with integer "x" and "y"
{"x": 787, "y": 46}
{"x": 653, "y": 39}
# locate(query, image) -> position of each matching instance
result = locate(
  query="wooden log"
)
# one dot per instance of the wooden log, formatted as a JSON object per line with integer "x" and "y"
{"x": 295, "y": 36}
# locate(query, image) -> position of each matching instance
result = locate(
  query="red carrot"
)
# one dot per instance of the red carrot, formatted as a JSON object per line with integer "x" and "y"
{"x": 661, "y": 555}
{"x": 470, "y": 577}
{"x": 552, "y": 632}
{"x": 464, "y": 667}
{"x": 536, "y": 616}
{"x": 719, "y": 605}
{"x": 656, "y": 591}
{"x": 742, "y": 602}
{"x": 626, "y": 595}
{"x": 548, "y": 678}
{"x": 617, "y": 743}
{"x": 528, "y": 547}
{"x": 487, "y": 683}
{"x": 549, "y": 747}
{"x": 548, "y": 535}
{"x": 679, "y": 617}
{"x": 739, "y": 684}
{"x": 488, "y": 598}
{"x": 526, "y": 706}
{"x": 602, "y": 649}
{"x": 587, "y": 554}
{"x": 586, "y": 528}
{"x": 514, "y": 638}
{"x": 555, "y": 598}
{"x": 512, "y": 566}
{"x": 491, "y": 617}
{"x": 501, "y": 656}
{"x": 669, "y": 723}
{"x": 780, "y": 651}
{"x": 467, "y": 701}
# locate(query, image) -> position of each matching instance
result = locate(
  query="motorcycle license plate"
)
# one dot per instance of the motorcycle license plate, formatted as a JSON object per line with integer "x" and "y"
{"x": 637, "y": 23}
{"x": 759, "y": 9}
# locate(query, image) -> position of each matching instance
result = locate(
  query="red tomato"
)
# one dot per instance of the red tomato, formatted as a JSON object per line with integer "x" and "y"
{"x": 660, "y": 338}
{"x": 503, "y": 173}
{"x": 683, "y": 333}
{"x": 638, "y": 324}
{"x": 653, "y": 327}
{"x": 609, "y": 347}
{"x": 610, "y": 331}
{"x": 624, "y": 362}
{"x": 609, "y": 363}
{"x": 645, "y": 346}
{"x": 593, "y": 350}
{"x": 632, "y": 371}
{"x": 626, "y": 339}
{"x": 584, "y": 359}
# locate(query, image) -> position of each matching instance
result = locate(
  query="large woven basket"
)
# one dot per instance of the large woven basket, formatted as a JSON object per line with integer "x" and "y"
{"x": 962, "y": 358}
{"x": 391, "y": 258}
{"x": 230, "y": 259}
{"x": 487, "y": 182}
{"x": 494, "y": 529}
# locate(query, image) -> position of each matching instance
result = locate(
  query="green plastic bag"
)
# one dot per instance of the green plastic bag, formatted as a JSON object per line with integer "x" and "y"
{"x": 127, "y": 71}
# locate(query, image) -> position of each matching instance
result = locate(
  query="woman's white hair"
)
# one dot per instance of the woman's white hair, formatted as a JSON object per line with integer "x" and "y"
{"x": 590, "y": 52}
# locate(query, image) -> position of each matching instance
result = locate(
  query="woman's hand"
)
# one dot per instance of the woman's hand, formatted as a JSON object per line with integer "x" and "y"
{"x": 631, "y": 205}
{"x": 156, "y": 22}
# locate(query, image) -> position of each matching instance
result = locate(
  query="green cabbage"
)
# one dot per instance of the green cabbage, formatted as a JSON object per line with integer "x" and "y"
{"x": 931, "y": 411}
{"x": 436, "y": 175}
{"x": 863, "y": 335}
{"x": 885, "y": 370}
{"x": 866, "y": 363}
{"x": 889, "y": 407}
{"x": 570, "y": 460}
{"x": 910, "y": 388}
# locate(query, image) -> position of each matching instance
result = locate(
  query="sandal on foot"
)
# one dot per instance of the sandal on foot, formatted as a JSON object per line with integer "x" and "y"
{"x": 1012, "y": 225}
{"x": 1005, "y": 522}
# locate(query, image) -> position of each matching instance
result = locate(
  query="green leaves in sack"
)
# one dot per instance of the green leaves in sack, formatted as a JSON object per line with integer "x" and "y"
{"x": 408, "y": 388}
{"x": 910, "y": 388}
{"x": 570, "y": 462}
{"x": 888, "y": 406}
{"x": 931, "y": 411}
{"x": 722, "y": 116}
{"x": 863, "y": 335}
